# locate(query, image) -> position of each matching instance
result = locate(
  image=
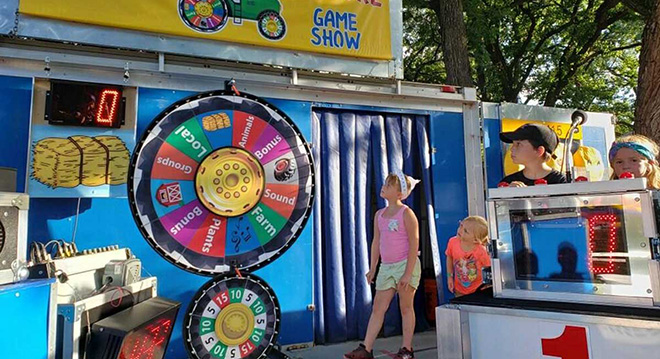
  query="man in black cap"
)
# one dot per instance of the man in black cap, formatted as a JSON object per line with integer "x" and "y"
{"x": 532, "y": 145}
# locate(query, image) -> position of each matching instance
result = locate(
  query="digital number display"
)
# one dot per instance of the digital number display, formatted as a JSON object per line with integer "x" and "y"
{"x": 586, "y": 244}
{"x": 141, "y": 331}
{"x": 149, "y": 342}
{"x": 84, "y": 104}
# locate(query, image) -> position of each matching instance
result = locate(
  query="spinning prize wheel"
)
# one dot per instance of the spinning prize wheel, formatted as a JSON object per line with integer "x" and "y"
{"x": 223, "y": 182}
{"x": 220, "y": 181}
{"x": 204, "y": 15}
{"x": 232, "y": 317}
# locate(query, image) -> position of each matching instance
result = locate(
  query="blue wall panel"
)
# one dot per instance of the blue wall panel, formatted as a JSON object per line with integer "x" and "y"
{"x": 493, "y": 152}
{"x": 151, "y": 102}
{"x": 106, "y": 221}
{"x": 103, "y": 222}
{"x": 15, "y": 123}
{"x": 24, "y": 325}
{"x": 449, "y": 179}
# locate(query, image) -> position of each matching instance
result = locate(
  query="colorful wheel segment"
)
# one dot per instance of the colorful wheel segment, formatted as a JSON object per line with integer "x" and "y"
{"x": 220, "y": 181}
{"x": 204, "y": 15}
{"x": 232, "y": 318}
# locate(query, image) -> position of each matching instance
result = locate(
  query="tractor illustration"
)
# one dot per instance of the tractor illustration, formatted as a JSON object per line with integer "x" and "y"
{"x": 211, "y": 16}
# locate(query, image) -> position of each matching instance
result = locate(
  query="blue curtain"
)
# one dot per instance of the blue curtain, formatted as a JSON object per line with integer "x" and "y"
{"x": 354, "y": 152}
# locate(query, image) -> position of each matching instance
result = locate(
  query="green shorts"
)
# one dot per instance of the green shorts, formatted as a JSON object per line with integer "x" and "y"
{"x": 390, "y": 274}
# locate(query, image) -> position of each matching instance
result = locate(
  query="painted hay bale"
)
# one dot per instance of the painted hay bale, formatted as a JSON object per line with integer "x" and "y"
{"x": 90, "y": 161}
{"x": 216, "y": 121}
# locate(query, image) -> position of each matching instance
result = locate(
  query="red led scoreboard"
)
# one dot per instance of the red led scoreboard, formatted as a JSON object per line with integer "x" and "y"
{"x": 139, "y": 332}
{"x": 84, "y": 104}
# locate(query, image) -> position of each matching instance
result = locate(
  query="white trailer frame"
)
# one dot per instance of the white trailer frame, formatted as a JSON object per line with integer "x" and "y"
{"x": 475, "y": 332}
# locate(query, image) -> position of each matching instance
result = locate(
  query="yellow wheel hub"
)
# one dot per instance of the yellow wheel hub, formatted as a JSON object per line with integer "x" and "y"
{"x": 230, "y": 182}
{"x": 234, "y": 325}
{"x": 271, "y": 26}
{"x": 204, "y": 9}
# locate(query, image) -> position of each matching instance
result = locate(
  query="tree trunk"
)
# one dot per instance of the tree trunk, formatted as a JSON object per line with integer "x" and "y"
{"x": 560, "y": 84}
{"x": 454, "y": 42}
{"x": 647, "y": 108}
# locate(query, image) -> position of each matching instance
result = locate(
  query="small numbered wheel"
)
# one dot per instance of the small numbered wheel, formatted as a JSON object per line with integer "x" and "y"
{"x": 204, "y": 15}
{"x": 271, "y": 25}
{"x": 232, "y": 318}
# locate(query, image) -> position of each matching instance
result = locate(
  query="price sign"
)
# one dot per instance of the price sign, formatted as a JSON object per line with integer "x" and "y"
{"x": 561, "y": 129}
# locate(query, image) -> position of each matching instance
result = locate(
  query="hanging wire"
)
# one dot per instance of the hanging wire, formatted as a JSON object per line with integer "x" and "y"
{"x": 75, "y": 225}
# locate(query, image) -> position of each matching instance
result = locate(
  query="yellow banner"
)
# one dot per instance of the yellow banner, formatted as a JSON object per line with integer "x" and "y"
{"x": 561, "y": 129}
{"x": 355, "y": 28}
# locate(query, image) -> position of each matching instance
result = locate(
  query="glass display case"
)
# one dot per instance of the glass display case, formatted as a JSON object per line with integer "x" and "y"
{"x": 586, "y": 242}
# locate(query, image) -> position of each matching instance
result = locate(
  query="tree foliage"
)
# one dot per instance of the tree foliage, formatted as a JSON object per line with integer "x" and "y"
{"x": 422, "y": 46}
{"x": 573, "y": 53}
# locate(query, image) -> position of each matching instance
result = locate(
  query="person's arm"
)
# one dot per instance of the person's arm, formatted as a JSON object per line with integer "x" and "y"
{"x": 412, "y": 228}
{"x": 375, "y": 250}
{"x": 485, "y": 258}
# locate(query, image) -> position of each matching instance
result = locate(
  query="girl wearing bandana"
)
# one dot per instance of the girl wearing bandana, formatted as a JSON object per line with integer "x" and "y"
{"x": 636, "y": 155}
{"x": 395, "y": 243}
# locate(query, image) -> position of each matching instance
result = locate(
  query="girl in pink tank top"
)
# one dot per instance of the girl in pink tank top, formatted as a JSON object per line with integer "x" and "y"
{"x": 395, "y": 243}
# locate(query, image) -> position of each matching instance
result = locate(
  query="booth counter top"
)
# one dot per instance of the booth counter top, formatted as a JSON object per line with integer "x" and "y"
{"x": 485, "y": 298}
{"x": 575, "y": 188}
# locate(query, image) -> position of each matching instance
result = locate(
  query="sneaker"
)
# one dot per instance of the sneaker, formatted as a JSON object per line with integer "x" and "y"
{"x": 359, "y": 353}
{"x": 404, "y": 353}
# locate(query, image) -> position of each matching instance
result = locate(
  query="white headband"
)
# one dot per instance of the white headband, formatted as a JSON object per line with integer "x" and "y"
{"x": 404, "y": 185}
{"x": 402, "y": 181}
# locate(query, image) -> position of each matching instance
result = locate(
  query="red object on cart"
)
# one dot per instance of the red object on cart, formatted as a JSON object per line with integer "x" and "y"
{"x": 582, "y": 179}
{"x": 503, "y": 184}
{"x": 540, "y": 181}
{"x": 431, "y": 295}
{"x": 626, "y": 175}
